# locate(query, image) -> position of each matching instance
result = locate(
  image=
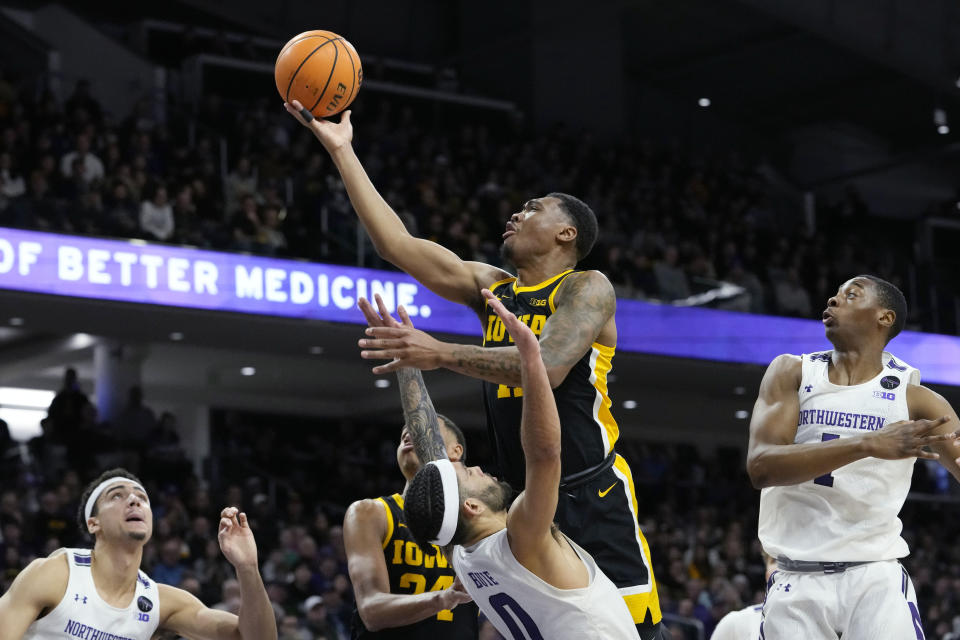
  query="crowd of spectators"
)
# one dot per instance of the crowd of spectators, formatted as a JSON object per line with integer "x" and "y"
{"x": 246, "y": 177}
{"x": 698, "y": 512}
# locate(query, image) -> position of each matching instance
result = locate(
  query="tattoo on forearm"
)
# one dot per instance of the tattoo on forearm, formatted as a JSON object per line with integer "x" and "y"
{"x": 420, "y": 416}
{"x": 500, "y": 364}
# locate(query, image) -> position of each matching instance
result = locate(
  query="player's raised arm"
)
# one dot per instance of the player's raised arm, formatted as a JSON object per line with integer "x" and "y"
{"x": 40, "y": 586}
{"x": 436, "y": 267}
{"x": 531, "y": 515}
{"x": 186, "y": 615}
{"x": 774, "y": 459}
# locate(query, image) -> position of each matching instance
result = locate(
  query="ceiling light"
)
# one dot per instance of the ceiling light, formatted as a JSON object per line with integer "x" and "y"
{"x": 381, "y": 383}
{"x": 247, "y": 371}
{"x": 176, "y": 336}
{"x": 611, "y": 377}
{"x": 943, "y": 129}
{"x": 629, "y": 404}
{"x": 315, "y": 351}
{"x": 16, "y": 322}
{"x": 742, "y": 415}
{"x": 739, "y": 391}
{"x": 704, "y": 102}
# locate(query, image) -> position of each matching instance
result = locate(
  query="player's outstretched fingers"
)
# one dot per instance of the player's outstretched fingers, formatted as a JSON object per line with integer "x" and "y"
{"x": 369, "y": 313}
{"x": 388, "y": 320}
{"x": 926, "y": 426}
{"x": 242, "y": 519}
{"x": 404, "y": 316}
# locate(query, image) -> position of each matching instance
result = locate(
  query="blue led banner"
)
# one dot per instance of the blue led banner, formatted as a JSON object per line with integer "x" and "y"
{"x": 138, "y": 272}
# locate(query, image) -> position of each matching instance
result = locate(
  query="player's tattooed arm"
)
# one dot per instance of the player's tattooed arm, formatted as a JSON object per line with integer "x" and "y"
{"x": 585, "y": 303}
{"x": 420, "y": 416}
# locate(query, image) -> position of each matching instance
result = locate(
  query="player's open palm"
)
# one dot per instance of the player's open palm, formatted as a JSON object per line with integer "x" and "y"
{"x": 907, "y": 439}
{"x": 523, "y": 336}
{"x": 332, "y": 135}
{"x": 236, "y": 538}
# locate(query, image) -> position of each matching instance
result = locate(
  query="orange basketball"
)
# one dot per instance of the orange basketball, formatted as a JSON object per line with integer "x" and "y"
{"x": 321, "y": 70}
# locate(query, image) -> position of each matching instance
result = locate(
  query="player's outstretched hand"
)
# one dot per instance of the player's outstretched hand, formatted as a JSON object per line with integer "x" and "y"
{"x": 332, "y": 135}
{"x": 523, "y": 336}
{"x": 398, "y": 341}
{"x": 454, "y": 594}
{"x": 236, "y": 539}
{"x": 907, "y": 439}
{"x": 380, "y": 317}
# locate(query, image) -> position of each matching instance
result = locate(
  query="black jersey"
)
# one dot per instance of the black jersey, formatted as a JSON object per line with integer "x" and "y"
{"x": 588, "y": 428}
{"x": 413, "y": 570}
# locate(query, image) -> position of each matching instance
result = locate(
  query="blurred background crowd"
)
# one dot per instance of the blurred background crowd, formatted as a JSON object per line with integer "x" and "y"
{"x": 244, "y": 176}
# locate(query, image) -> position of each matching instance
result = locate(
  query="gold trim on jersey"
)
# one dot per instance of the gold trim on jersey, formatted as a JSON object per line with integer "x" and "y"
{"x": 553, "y": 307}
{"x": 601, "y": 362}
{"x": 640, "y": 598}
{"x": 541, "y": 285}
{"x": 386, "y": 507}
{"x": 500, "y": 282}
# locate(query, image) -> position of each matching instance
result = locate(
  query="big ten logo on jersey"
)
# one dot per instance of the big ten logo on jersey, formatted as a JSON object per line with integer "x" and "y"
{"x": 496, "y": 332}
{"x": 409, "y": 553}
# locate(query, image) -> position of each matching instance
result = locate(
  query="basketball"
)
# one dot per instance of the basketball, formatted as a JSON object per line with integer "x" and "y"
{"x": 321, "y": 70}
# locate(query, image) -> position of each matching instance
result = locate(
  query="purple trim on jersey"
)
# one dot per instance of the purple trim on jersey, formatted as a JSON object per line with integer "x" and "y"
{"x": 893, "y": 365}
{"x": 83, "y": 561}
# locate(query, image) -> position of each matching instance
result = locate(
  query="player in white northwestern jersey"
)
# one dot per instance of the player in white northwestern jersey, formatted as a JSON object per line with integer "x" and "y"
{"x": 530, "y": 580}
{"x": 833, "y": 440}
{"x": 101, "y": 594}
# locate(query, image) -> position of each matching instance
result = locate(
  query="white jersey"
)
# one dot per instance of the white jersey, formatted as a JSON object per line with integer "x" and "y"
{"x": 849, "y": 515}
{"x": 83, "y": 615}
{"x": 523, "y": 607}
{"x": 740, "y": 625}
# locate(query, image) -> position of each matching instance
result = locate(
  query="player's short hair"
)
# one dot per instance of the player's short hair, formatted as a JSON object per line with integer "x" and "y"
{"x": 890, "y": 297}
{"x": 103, "y": 477}
{"x": 583, "y": 218}
{"x": 423, "y": 508}
{"x": 457, "y": 433}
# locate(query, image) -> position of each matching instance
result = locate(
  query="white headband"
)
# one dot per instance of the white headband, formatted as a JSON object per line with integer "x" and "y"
{"x": 451, "y": 502}
{"x": 92, "y": 500}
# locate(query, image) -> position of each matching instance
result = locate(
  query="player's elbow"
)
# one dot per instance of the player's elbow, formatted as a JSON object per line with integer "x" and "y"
{"x": 757, "y": 470}
{"x": 371, "y": 617}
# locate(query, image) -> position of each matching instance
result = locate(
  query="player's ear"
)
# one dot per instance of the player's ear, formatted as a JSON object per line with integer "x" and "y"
{"x": 472, "y": 507}
{"x": 93, "y": 525}
{"x": 886, "y": 318}
{"x": 567, "y": 233}
{"x": 455, "y": 452}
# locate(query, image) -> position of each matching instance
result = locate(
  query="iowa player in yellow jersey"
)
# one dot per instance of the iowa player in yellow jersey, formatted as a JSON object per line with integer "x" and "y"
{"x": 403, "y": 591}
{"x": 573, "y": 314}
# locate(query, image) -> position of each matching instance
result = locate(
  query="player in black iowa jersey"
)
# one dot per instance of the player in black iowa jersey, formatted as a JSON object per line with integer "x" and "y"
{"x": 575, "y": 320}
{"x": 403, "y": 591}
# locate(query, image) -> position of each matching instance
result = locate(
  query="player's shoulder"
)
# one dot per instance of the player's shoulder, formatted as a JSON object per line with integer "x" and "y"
{"x": 588, "y": 285}
{"x": 786, "y": 364}
{"x": 44, "y": 580}
{"x": 366, "y": 512}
